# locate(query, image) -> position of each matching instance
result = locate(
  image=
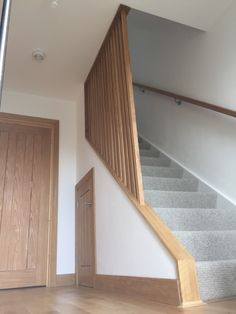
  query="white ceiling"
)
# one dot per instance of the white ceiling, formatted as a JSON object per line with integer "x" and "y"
{"x": 72, "y": 34}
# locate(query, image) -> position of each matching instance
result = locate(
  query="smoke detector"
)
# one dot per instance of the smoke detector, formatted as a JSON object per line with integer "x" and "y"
{"x": 39, "y": 55}
{"x": 54, "y": 4}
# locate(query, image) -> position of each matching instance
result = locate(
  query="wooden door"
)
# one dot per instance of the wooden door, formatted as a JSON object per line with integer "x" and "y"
{"x": 25, "y": 153}
{"x": 85, "y": 232}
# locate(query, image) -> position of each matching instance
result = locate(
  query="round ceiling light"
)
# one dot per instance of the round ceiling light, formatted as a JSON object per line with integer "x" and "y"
{"x": 39, "y": 55}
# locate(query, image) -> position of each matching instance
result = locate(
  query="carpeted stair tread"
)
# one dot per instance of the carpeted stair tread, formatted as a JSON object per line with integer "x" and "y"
{"x": 161, "y": 161}
{"x": 209, "y": 245}
{"x": 174, "y": 199}
{"x": 166, "y": 172}
{"x": 149, "y": 153}
{"x": 217, "y": 279}
{"x": 170, "y": 184}
{"x": 198, "y": 219}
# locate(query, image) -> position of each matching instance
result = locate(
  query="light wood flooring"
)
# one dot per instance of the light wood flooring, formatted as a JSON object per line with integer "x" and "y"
{"x": 72, "y": 300}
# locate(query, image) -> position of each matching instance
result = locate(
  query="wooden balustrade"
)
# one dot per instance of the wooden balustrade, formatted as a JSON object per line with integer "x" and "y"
{"x": 110, "y": 111}
{"x": 110, "y": 128}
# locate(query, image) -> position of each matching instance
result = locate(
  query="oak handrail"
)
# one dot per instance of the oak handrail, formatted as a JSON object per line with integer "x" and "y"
{"x": 193, "y": 101}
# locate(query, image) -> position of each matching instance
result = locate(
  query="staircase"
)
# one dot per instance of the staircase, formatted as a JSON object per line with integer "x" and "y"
{"x": 191, "y": 211}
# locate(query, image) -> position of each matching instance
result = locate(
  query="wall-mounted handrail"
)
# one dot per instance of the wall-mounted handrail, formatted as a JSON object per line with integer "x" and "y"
{"x": 195, "y": 102}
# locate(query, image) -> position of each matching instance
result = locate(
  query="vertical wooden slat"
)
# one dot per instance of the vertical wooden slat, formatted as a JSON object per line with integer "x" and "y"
{"x": 122, "y": 106}
{"x": 95, "y": 109}
{"x": 119, "y": 110}
{"x": 125, "y": 107}
{"x": 105, "y": 125}
{"x": 110, "y": 113}
{"x": 116, "y": 112}
{"x": 103, "y": 113}
{"x": 112, "y": 92}
{"x": 131, "y": 104}
{"x": 106, "y": 88}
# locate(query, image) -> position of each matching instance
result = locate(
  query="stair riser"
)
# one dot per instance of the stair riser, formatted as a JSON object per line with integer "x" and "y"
{"x": 167, "y": 184}
{"x": 159, "y": 162}
{"x": 149, "y": 153}
{"x": 180, "y": 199}
{"x": 209, "y": 246}
{"x": 197, "y": 219}
{"x": 164, "y": 172}
{"x": 144, "y": 145}
{"x": 217, "y": 280}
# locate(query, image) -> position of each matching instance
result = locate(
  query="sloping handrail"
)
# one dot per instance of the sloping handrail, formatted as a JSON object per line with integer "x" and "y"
{"x": 193, "y": 101}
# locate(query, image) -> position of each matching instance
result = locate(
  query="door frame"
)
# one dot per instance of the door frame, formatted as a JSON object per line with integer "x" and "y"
{"x": 53, "y": 125}
{"x": 89, "y": 175}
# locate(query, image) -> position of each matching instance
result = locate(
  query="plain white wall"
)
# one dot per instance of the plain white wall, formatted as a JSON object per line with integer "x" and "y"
{"x": 196, "y": 64}
{"x": 185, "y": 60}
{"x": 125, "y": 243}
{"x": 65, "y": 112}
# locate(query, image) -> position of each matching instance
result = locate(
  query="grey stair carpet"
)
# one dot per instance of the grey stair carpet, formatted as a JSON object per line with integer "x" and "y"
{"x": 165, "y": 172}
{"x": 198, "y": 219}
{"x": 155, "y": 161}
{"x": 149, "y": 152}
{"x": 209, "y": 245}
{"x": 180, "y": 199}
{"x": 169, "y": 184}
{"x": 207, "y": 232}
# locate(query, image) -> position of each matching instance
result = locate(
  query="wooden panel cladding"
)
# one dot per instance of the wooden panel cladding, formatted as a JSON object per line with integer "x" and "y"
{"x": 195, "y": 102}
{"x": 109, "y": 108}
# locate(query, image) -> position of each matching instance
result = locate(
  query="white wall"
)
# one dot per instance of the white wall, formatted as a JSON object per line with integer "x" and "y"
{"x": 185, "y": 60}
{"x": 125, "y": 243}
{"x": 196, "y": 64}
{"x": 65, "y": 112}
{"x": 202, "y": 141}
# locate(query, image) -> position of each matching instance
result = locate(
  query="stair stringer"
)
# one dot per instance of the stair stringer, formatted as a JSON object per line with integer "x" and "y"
{"x": 185, "y": 263}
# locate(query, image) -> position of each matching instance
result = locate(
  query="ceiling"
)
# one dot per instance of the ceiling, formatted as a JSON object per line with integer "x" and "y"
{"x": 72, "y": 34}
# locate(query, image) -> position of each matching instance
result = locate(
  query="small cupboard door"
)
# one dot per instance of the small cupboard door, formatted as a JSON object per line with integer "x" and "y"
{"x": 85, "y": 232}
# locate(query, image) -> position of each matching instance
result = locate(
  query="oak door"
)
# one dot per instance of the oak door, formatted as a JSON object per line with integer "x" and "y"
{"x": 85, "y": 233}
{"x": 24, "y": 204}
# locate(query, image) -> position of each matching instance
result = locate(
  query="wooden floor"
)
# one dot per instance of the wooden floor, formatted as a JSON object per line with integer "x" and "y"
{"x": 74, "y": 300}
